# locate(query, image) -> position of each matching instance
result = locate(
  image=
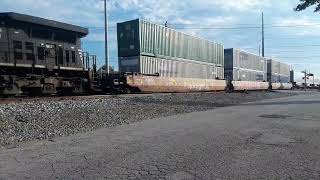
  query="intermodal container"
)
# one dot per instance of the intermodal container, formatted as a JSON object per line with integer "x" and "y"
{"x": 278, "y": 71}
{"x": 243, "y": 66}
{"x": 171, "y": 67}
{"x": 142, "y": 38}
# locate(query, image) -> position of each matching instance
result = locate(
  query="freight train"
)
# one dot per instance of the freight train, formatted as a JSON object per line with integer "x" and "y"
{"x": 166, "y": 60}
{"x": 44, "y": 57}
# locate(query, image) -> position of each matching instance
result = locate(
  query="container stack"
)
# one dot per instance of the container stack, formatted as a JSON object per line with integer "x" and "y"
{"x": 152, "y": 49}
{"x": 244, "y": 66}
{"x": 278, "y": 72}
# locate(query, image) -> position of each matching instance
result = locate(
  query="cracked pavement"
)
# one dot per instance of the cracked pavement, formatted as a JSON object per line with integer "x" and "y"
{"x": 273, "y": 139}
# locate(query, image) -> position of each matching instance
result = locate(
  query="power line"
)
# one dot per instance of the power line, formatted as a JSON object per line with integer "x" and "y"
{"x": 225, "y": 26}
{"x": 302, "y": 57}
{"x": 306, "y": 45}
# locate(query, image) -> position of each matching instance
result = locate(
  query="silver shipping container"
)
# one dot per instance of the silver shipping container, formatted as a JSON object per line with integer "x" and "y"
{"x": 171, "y": 67}
{"x": 278, "y": 71}
{"x": 142, "y": 38}
{"x": 243, "y": 66}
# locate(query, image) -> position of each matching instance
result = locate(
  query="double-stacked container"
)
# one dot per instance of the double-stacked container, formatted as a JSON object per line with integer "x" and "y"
{"x": 150, "y": 49}
{"x": 278, "y": 72}
{"x": 243, "y": 66}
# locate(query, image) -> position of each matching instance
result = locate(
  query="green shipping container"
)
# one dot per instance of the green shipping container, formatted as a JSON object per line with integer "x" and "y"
{"x": 142, "y": 38}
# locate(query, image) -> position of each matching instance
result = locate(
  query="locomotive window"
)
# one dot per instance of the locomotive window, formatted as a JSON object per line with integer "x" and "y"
{"x": 30, "y": 55}
{"x": 6, "y": 56}
{"x": 29, "y": 46}
{"x": 18, "y": 55}
{"x": 41, "y": 33}
{"x": 67, "y": 56}
{"x": 17, "y": 44}
{"x": 60, "y": 55}
{"x": 65, "y": 37}
{"x": 41, "y": 53}
{"x": 73, "y": 56}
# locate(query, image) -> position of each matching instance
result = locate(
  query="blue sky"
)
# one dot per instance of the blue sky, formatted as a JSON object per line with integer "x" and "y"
{"x": 297, "y": 43}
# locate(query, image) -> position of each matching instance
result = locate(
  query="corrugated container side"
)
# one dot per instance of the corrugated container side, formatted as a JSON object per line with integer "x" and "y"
{"x": 278, "y": 72}
{"x": 179, "y": 68}
{"x": 244, "y": 66}
{"x": 249, "y": 61}
{"x": 162, "y": 42}
{"x": 247, "y": 75}
{"x": 284, "y": 69}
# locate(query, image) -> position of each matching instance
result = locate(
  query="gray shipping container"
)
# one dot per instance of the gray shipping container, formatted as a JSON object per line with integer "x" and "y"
{"x": 142, "y": 38}
{"x": 170, "y": 67}
{"x": 244, "y": 66}
{"x": 278, "y": 71}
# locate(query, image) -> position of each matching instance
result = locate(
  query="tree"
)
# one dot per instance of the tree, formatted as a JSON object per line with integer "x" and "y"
{"x": 307, "y": 3}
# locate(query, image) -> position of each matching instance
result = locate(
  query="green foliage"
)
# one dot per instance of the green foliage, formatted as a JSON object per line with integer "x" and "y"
{"x": 307, "y": 3}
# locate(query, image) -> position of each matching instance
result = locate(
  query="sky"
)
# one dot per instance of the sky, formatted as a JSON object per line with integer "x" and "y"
{"x": 291, "y": 37}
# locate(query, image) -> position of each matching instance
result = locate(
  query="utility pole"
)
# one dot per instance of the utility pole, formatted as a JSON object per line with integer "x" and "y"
{"x": 262, "y": 35}
{"x": 106, "y": 36}
{"x": 305, "y": 78}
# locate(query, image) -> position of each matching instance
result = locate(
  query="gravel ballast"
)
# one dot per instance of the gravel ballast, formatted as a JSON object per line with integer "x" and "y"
{"x": 25, "y": 121}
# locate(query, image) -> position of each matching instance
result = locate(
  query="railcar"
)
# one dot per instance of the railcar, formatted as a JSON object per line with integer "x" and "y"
{"x": 280, "y": 75}
{"x": 41, "y": 56}
{"x": 168, "y": 60}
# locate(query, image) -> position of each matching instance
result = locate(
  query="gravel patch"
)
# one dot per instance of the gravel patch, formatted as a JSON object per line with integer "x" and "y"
{"x": 25, "y": 121}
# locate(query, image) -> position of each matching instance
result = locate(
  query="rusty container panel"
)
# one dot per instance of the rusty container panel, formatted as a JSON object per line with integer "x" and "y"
{"x": 165, "y": 85}
{"x": 250, "y": 85}
{"x": 276, "y": 86}
{"x": 286, "y": 86}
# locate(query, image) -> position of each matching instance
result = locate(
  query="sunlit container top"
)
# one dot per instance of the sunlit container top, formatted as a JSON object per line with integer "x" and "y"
{"x": 142, "y": 38}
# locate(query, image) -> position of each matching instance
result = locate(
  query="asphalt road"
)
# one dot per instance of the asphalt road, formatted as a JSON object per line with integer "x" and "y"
{"x": 273, "y": 139}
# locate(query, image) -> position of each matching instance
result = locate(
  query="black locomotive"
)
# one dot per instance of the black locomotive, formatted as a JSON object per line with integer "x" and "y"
{"x": 41, "y": 56}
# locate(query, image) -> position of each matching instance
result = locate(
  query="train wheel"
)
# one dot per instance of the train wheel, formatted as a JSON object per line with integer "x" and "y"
{"x": 128, "y": 91}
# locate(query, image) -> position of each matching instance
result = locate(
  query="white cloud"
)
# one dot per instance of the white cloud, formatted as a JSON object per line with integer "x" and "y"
{"x": 232, "y": 5}
{"x": 303, "y": 26}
